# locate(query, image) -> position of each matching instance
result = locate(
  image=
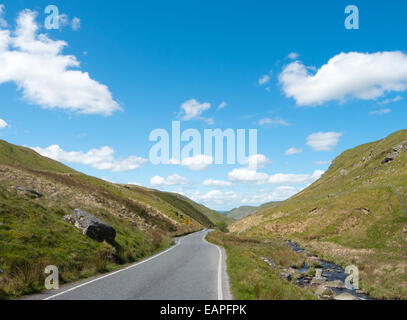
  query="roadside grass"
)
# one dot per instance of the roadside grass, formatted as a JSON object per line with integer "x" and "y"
{"x": 253, "y": 279}
{"x": 32, "y": 237}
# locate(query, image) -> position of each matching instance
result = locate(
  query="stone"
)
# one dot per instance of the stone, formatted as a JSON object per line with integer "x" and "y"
{"x": 29, "y": 191}
{"x": 323, "y": 291}
{"x": 343, "y": 172}
{"x": 345, "y": 296}
{"x": 91, "y": 226}
{"x": 318, "y": 281}
{"x": 338, "y": 284}
{"x": 269, "y": 262}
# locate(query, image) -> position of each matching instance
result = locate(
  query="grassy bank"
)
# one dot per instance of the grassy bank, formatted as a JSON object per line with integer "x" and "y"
{"x": 253, "y": 279}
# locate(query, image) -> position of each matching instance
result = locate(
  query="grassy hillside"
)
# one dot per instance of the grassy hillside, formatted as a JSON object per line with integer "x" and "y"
{"x": 33, "y": 233}
{"x": 351, "y": 215}
{"x": 244, "y": 211}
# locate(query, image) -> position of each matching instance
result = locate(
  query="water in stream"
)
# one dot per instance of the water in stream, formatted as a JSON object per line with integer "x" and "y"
{"x": 330, "y": 271}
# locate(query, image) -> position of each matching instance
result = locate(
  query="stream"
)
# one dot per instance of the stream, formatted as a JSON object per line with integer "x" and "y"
{"x": 330, "y": 271}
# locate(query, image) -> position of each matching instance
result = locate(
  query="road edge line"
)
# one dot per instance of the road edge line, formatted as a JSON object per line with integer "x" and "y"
{"x": 220, "y": 289}
{"x": 115, "y": 272}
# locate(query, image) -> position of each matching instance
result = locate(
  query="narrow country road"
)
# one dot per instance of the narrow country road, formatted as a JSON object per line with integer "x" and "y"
{"x": 192, "y": 269}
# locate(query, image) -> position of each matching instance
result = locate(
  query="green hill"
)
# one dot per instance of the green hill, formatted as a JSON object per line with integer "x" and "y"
{"x": 354, "y": 214}
{"x": 34, "y": 234}
{"x": 244, "y": 211}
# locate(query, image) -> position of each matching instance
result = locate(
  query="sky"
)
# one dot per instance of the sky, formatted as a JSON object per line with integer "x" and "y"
{"x": 90, "y": 92}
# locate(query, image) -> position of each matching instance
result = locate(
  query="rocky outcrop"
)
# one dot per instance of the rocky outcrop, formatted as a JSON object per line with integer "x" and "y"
{"x": 395, "y": 152}
{"x": 346, "y": 296}
{"x": 91, "y": 226}
{"x": 28, "y": 191}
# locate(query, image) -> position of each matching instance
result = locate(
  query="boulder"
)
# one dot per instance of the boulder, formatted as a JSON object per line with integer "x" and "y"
{"x": 91, "y": 226}
{"x": 28, "y": 191}
{"x": 338, "y": 284}
{"x": 345, "y": 296}
{"x": 323, "y": 291}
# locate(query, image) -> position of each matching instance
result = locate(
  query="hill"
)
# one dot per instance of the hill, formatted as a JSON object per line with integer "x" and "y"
{"x": 244, "y": 211}
{"x": 354, "y": 214}
{"x": 37, "y": 192}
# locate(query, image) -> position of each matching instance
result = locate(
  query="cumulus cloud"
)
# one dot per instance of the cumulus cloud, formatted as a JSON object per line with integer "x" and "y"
{"x": 101, "y": 159}
{"x": 347, "y": 75}
{"x": 323, "y": 141}
{"x": 252, "y": 176}
{"x": 257, "y": 161}
{"x": 173, "y": 180}
{"x": 262, "y": 196}
{"x": 217, "y": 183}
{"x": 272, "y": 122}
{"x": 196, "y": 163}
{"x": 192, "y": 110}
{"x": 380, "y": 111}
{"x": 3, "y": 124}
{"x": 46, "y": 77}
{"x": 216, "y": 197}
{"x": 292, "y": 151}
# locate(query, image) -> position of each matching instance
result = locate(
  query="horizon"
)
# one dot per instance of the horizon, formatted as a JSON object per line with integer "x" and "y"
{"x": 95, "y": 88}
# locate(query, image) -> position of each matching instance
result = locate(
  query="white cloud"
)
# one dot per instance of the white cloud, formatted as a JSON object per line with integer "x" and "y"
{"x": 3, "y": 124}
{"x": 47, "y": 77}
{"x": 217, "y": 183}
{"x": 75, "y": 23}
{"x": 197, "y": 163}
{"x": 257, "y": 161}
{"x": 293, "y": 55}
{"x": 252, "y": 176}
{"x": 264, "y": 79}
{"x": 272, "y": 122}
{"x": 222, "y": 105}
{"x": 277, "y": 194}
{"x": 322, "y": 162}
{"x": 248, "y": 176}
{"x": 101, "y": 159}
{"x": 323, "y": 141}
{"x": 192, "y": 110}
{"x": 173, "y": 180}
{"x": 358, "y": 75}
{"x": 292, "y": 151}
{"x": 216, "y": 197}
{"x": 135, "y": 184}
{"x": 395, "y": 99}
{"x": 3, "y": 22}
{"x": 380, "y": 111}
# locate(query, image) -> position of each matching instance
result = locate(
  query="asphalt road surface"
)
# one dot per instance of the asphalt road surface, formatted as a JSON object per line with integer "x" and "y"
{"x": 192, "y": 269}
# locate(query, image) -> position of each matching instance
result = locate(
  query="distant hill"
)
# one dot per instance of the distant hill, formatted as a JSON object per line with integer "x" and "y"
{"x": 244, "y": 211}
{"x": 354, "y": 214}
{"x": 35, "y": 194}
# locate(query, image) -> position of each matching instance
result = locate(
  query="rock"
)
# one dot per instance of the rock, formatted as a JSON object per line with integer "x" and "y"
{"x": 405, "y": 230}
{"x": 29, "y": 191}
{"x": 323, "y": 291}
{"x": 316, "y": 281}
{"x": 345, "y": 296}
{"x": 269, "y": 262}
{"x": 91, "y": 226}
{"x": 396, "y": 151}
{"x": 343, "y": 172}
{"x": 338, "y": 284}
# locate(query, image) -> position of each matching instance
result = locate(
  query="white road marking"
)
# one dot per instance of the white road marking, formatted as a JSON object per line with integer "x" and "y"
{"x": 113, "y": 273}
{"x": 220, "y": 291}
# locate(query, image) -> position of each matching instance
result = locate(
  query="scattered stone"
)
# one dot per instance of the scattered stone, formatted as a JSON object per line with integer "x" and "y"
{"x": 343, "y": 172}
{"x": 337, "y": 284}
{"x": 29, "y": 191}
{"x": 269, "y": 262}
{"x": 323, "y": 291}
{"x": 318, "y": 281}
{"x": 396, "y": 151}
{"x": 364, "y": 210}
{"x": 405, "y": 229}
{"x": 91, "y": 226}
{"x": 346, "y": 296}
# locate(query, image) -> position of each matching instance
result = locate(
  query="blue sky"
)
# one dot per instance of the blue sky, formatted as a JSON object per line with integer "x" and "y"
{"x": 146, "y": 59}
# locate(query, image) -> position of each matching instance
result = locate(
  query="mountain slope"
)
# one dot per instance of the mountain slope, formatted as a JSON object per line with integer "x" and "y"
{"x": 33, "y": 233}
{"x": 351, "y": 215}
{"x": 244, "y": 211}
